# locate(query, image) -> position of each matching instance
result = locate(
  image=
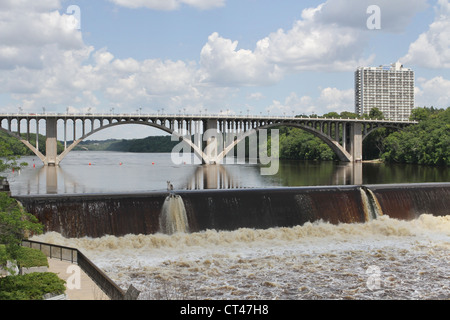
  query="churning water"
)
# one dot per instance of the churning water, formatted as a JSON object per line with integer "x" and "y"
{"x": 383, "y": 258}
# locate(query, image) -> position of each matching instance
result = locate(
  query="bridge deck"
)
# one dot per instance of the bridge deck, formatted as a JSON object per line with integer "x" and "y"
{"x": 142, "y": 117}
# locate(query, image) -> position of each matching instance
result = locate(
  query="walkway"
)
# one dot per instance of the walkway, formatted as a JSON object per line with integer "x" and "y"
{"x": 88, "y": 289}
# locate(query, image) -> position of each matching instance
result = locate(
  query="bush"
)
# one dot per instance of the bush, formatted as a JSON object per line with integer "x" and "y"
{"x": 28, "y": 257}
{"x": 15, "y": 225}
{"x": 32, "y": 286}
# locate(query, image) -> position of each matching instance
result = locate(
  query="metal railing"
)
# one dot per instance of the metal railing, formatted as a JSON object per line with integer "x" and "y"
{"x": 223, "y": 116}
{"x": 109, "y": 287}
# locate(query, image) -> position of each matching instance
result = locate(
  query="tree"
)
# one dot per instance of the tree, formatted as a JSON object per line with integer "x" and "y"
{"x": 426, "y": 143}
{"x": 296, "y": 144}
{"x": 8, "y": 159}
{"x": 376, "y": 113}
{"x": 15, "y": 223}
{"x": 332, "y": 114}
{"x": 350, "y": 115}
{"x": 419, "y": 114}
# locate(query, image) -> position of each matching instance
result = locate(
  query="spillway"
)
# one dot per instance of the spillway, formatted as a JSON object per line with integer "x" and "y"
{"x": 96, "y": 215}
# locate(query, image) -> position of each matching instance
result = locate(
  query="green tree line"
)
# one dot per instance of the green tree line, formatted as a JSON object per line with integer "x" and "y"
{"x": 150, "y": 144}
{"x": 426, "y": 143}
{"x": 17, "y": 148}
{"x": 160, "y": 144}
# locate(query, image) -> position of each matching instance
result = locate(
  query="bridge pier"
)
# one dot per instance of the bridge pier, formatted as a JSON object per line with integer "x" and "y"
{"x": 51, "y": 144}
{"x": 212, "y": 141}
{"x": 354, "y": 141}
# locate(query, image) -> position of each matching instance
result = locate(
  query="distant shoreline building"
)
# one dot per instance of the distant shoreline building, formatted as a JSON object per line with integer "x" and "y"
{"x": 388, "y": 88}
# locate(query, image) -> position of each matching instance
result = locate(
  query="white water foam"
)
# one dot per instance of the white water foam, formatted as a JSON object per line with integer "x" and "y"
{"x": 314, "y": 261}
{"x": 173, "y": 218}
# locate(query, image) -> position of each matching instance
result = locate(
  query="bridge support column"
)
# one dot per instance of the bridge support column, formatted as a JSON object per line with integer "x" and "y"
{"x": 356, "y": 142}
{"x": 212, "y": 141}
{"x": 51, "y": 152}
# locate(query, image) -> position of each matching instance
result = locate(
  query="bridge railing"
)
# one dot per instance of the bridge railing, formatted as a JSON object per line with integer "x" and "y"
{"x": 198, "y": 116}
{"x": 109, "y": 287}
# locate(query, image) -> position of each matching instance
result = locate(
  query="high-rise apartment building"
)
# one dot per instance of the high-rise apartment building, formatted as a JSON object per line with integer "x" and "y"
{"x": 388, "y": 88}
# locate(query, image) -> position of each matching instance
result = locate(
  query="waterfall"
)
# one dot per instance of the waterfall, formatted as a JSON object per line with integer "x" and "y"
{"x": 173, "y": 217}
{"x": 97, "y": 215}
{"x": 372, "y": 208}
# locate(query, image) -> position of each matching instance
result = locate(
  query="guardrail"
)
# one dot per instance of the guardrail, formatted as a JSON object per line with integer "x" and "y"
{"x": 109, "y": 287}
{"x": 197, "y": 116}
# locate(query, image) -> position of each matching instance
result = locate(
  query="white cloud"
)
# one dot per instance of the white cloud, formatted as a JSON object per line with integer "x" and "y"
{"x": 147, "y": 80}
{"x": 26, "y": 36}
{"x": 29, "y": 6}
{"x": 333, "y": 99}
{"x": 293, "y": 105}
{"x": 225, "y": 65}
{"x": 255, "y": 96}
{"x": 62, "y": 79}
{"x": 169, "y": 4}
{"x": 432, "y": 48}
{"x": 330, "y": 99}
{"x": 328, "y": 38}
{"x": 204, "y": 4}
{"x": 317, "y": 42}
{"x": 432, "y": 92}
{"x": 41, "y": 53}
{"x": 312, "y": 46}
{"x": 44, "y": 62}
{"x": 34, "y": 28}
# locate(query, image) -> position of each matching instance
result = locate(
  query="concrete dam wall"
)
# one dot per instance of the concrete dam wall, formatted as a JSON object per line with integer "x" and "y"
{"x": 96, "y": 215}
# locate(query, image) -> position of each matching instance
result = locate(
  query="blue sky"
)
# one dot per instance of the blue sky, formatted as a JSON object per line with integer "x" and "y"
{"x": 217, "y": 56}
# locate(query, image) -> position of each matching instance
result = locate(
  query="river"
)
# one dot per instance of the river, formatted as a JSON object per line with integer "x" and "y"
{"x": 116, "y": 172}
{"x": 383, "y": 258}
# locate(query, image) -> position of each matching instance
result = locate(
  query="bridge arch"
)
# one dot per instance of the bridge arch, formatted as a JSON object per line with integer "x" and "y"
{"x": 339, "y": 150}
{"x": 196, "y": 149}
{"x": 383, "y": 126}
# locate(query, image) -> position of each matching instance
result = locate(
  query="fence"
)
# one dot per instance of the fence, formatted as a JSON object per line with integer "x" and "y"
{"x": 109, "y": 287}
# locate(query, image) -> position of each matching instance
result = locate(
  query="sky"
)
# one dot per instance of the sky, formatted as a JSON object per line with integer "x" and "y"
{"x": 240, "y": 57}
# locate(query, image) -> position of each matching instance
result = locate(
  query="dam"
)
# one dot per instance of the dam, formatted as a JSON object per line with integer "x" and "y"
{"x": 97, "y": 215}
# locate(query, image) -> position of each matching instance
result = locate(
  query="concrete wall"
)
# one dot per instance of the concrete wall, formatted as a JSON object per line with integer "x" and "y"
{"x": 98, "y": 215}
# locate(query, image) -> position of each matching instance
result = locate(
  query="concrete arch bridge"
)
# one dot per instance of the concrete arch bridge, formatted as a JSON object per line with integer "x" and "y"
{"x": 344, "y": 136}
